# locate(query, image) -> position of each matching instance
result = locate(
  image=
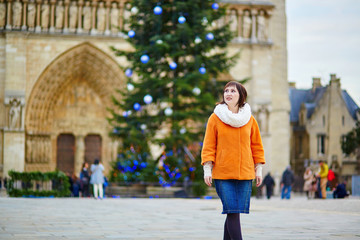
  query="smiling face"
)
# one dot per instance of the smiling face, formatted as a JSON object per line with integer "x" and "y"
{"x": 231, "y": 96}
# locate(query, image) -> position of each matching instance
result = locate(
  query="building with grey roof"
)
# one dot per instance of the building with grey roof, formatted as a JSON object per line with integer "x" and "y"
{"x": 319, "y": 118}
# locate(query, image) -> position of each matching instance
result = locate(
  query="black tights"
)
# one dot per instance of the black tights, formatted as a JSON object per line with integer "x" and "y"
{"x": 232, "y": 228}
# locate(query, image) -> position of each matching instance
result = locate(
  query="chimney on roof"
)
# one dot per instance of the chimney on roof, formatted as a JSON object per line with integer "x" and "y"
{"x": 292, "y": 84}
{"x": 316, "y": 83}
{"x": 334, "y": 82}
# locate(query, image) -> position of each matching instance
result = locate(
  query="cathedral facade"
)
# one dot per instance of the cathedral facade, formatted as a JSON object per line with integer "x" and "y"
{"x": 58, "y": 73}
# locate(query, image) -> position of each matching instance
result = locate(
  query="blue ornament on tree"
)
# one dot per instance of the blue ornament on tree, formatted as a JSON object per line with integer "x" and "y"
{"x": 181, "y": 19}
{"x": 173, "y": 65}
{"x": 128, "y": 72}
{"x": 158, "y": 10}
{"x": 209, "y": 36}
{"x": 131, "y": 33}
{"x": 137, "y": 107}
{"x": 202, "y": 70}
{"x": 215, "y": 6}
{"x": 144, "y": 58}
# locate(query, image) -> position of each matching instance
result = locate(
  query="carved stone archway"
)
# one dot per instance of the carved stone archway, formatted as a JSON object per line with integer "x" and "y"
{"x": 71, "y": 96}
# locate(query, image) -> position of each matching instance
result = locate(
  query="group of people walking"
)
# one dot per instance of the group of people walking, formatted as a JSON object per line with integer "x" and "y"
{"x": 316, "y": 183}
{"x": 93, "y": 176}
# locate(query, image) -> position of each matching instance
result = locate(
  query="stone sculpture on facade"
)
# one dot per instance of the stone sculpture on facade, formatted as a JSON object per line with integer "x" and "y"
{"x": 247, "y": 25}
{"x": 28, "y": 151}
{"x": 127, "y": 15}
{"x": 233, "y": 20}
{"x": 16, "y": 14}
{"x": 14, "y": 114}
{"x": 59, "y": 14}
{"x": 263, "y": 118}
{"x": 101, "y": 14}
{"x": 261, "y": 26}
{"x": 2, "y": 14}
{"x": 73, "y": 16}
{"x": 250, "y": 24}
{"x": 31, "y": 12}
{"x": 114, "y": 18}
{"x": 87, "y": 17}
{"x": 38, "y": 148}
{"x": 45, "y": 11}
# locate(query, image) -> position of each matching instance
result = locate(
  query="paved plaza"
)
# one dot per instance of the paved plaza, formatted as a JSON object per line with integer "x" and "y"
{"x": 135, "y": 218}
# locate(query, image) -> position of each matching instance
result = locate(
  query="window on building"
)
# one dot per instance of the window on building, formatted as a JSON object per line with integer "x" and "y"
{"x": 343, "y": 140}
{"x": 321, "y": 144}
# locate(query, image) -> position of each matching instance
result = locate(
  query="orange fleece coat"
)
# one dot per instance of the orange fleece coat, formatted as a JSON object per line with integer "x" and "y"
{"x": 233, "y": 151}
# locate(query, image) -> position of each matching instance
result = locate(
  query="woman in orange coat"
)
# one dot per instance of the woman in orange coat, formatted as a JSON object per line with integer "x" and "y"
{"x": 233, "y": 155}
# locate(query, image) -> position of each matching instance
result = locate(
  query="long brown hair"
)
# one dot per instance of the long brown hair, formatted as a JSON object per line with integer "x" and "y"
{"x": 242, "y": 93}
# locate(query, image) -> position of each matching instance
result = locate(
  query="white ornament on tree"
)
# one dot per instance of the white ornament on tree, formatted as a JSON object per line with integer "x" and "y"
{"x": 130, "y": 87}
{"x": 134, "y": 10}
{"x": 168, "y": 111}
{"x": 198, "y": 40}
{"x": 148, "y": 98}
{"x": 196, "y": 91}
{"x": 204, "y": 21}
{"x": 183, "y": 130}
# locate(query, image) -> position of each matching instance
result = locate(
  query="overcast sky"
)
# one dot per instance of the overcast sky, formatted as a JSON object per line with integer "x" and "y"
{"x": 324, "y": 38}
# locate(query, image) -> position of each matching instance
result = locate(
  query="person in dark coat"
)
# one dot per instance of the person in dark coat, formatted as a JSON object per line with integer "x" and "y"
{"x": 269, "y": 183}
{"x": 75, "y": 186}
{"x": 286, "y": 183}
{"x": 85, "y": 180}
{"x": 340, "y": 191}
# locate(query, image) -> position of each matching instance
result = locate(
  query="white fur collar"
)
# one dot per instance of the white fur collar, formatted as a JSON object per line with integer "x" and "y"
{"x": 233, "y": 119}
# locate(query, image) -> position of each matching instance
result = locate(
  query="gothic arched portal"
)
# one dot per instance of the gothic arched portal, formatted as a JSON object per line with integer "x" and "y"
{"x": 71, "y": 96}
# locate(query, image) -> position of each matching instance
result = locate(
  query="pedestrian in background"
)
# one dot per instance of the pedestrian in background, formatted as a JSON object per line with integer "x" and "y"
{"x": 75, "y": 185}
{"x": 309, "y": 183}
{"x": 340, "y": 191}
{"x": 97, "y": 179}
{"x": 269, "y": 183}
{"x": 232, "y": 153}
{"x": 323, "y": 175}
{"x": 286, "y": 183}
{"x": 85, "y": 180}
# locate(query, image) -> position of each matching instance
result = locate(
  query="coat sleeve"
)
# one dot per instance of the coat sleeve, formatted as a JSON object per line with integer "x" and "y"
{"x": 208, "y": 152}
{"x": 257, "y": 148}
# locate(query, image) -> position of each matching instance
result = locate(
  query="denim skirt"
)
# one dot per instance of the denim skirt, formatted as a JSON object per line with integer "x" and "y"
{"x": 234, "y": 194}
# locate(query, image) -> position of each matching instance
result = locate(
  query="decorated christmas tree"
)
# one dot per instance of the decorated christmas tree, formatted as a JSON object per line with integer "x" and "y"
{"x": 179, "y": 52}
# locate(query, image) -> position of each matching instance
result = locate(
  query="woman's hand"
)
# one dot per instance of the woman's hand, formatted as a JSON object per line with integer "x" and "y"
{"x": 208, "y": 180}
{"x": 258, "y": 174}
{"x": 208, "y": 173}
{"x": 258, "y": 181}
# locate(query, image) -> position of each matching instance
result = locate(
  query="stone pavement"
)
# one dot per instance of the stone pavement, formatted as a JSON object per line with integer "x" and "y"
{"x": 135, "y": 218}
